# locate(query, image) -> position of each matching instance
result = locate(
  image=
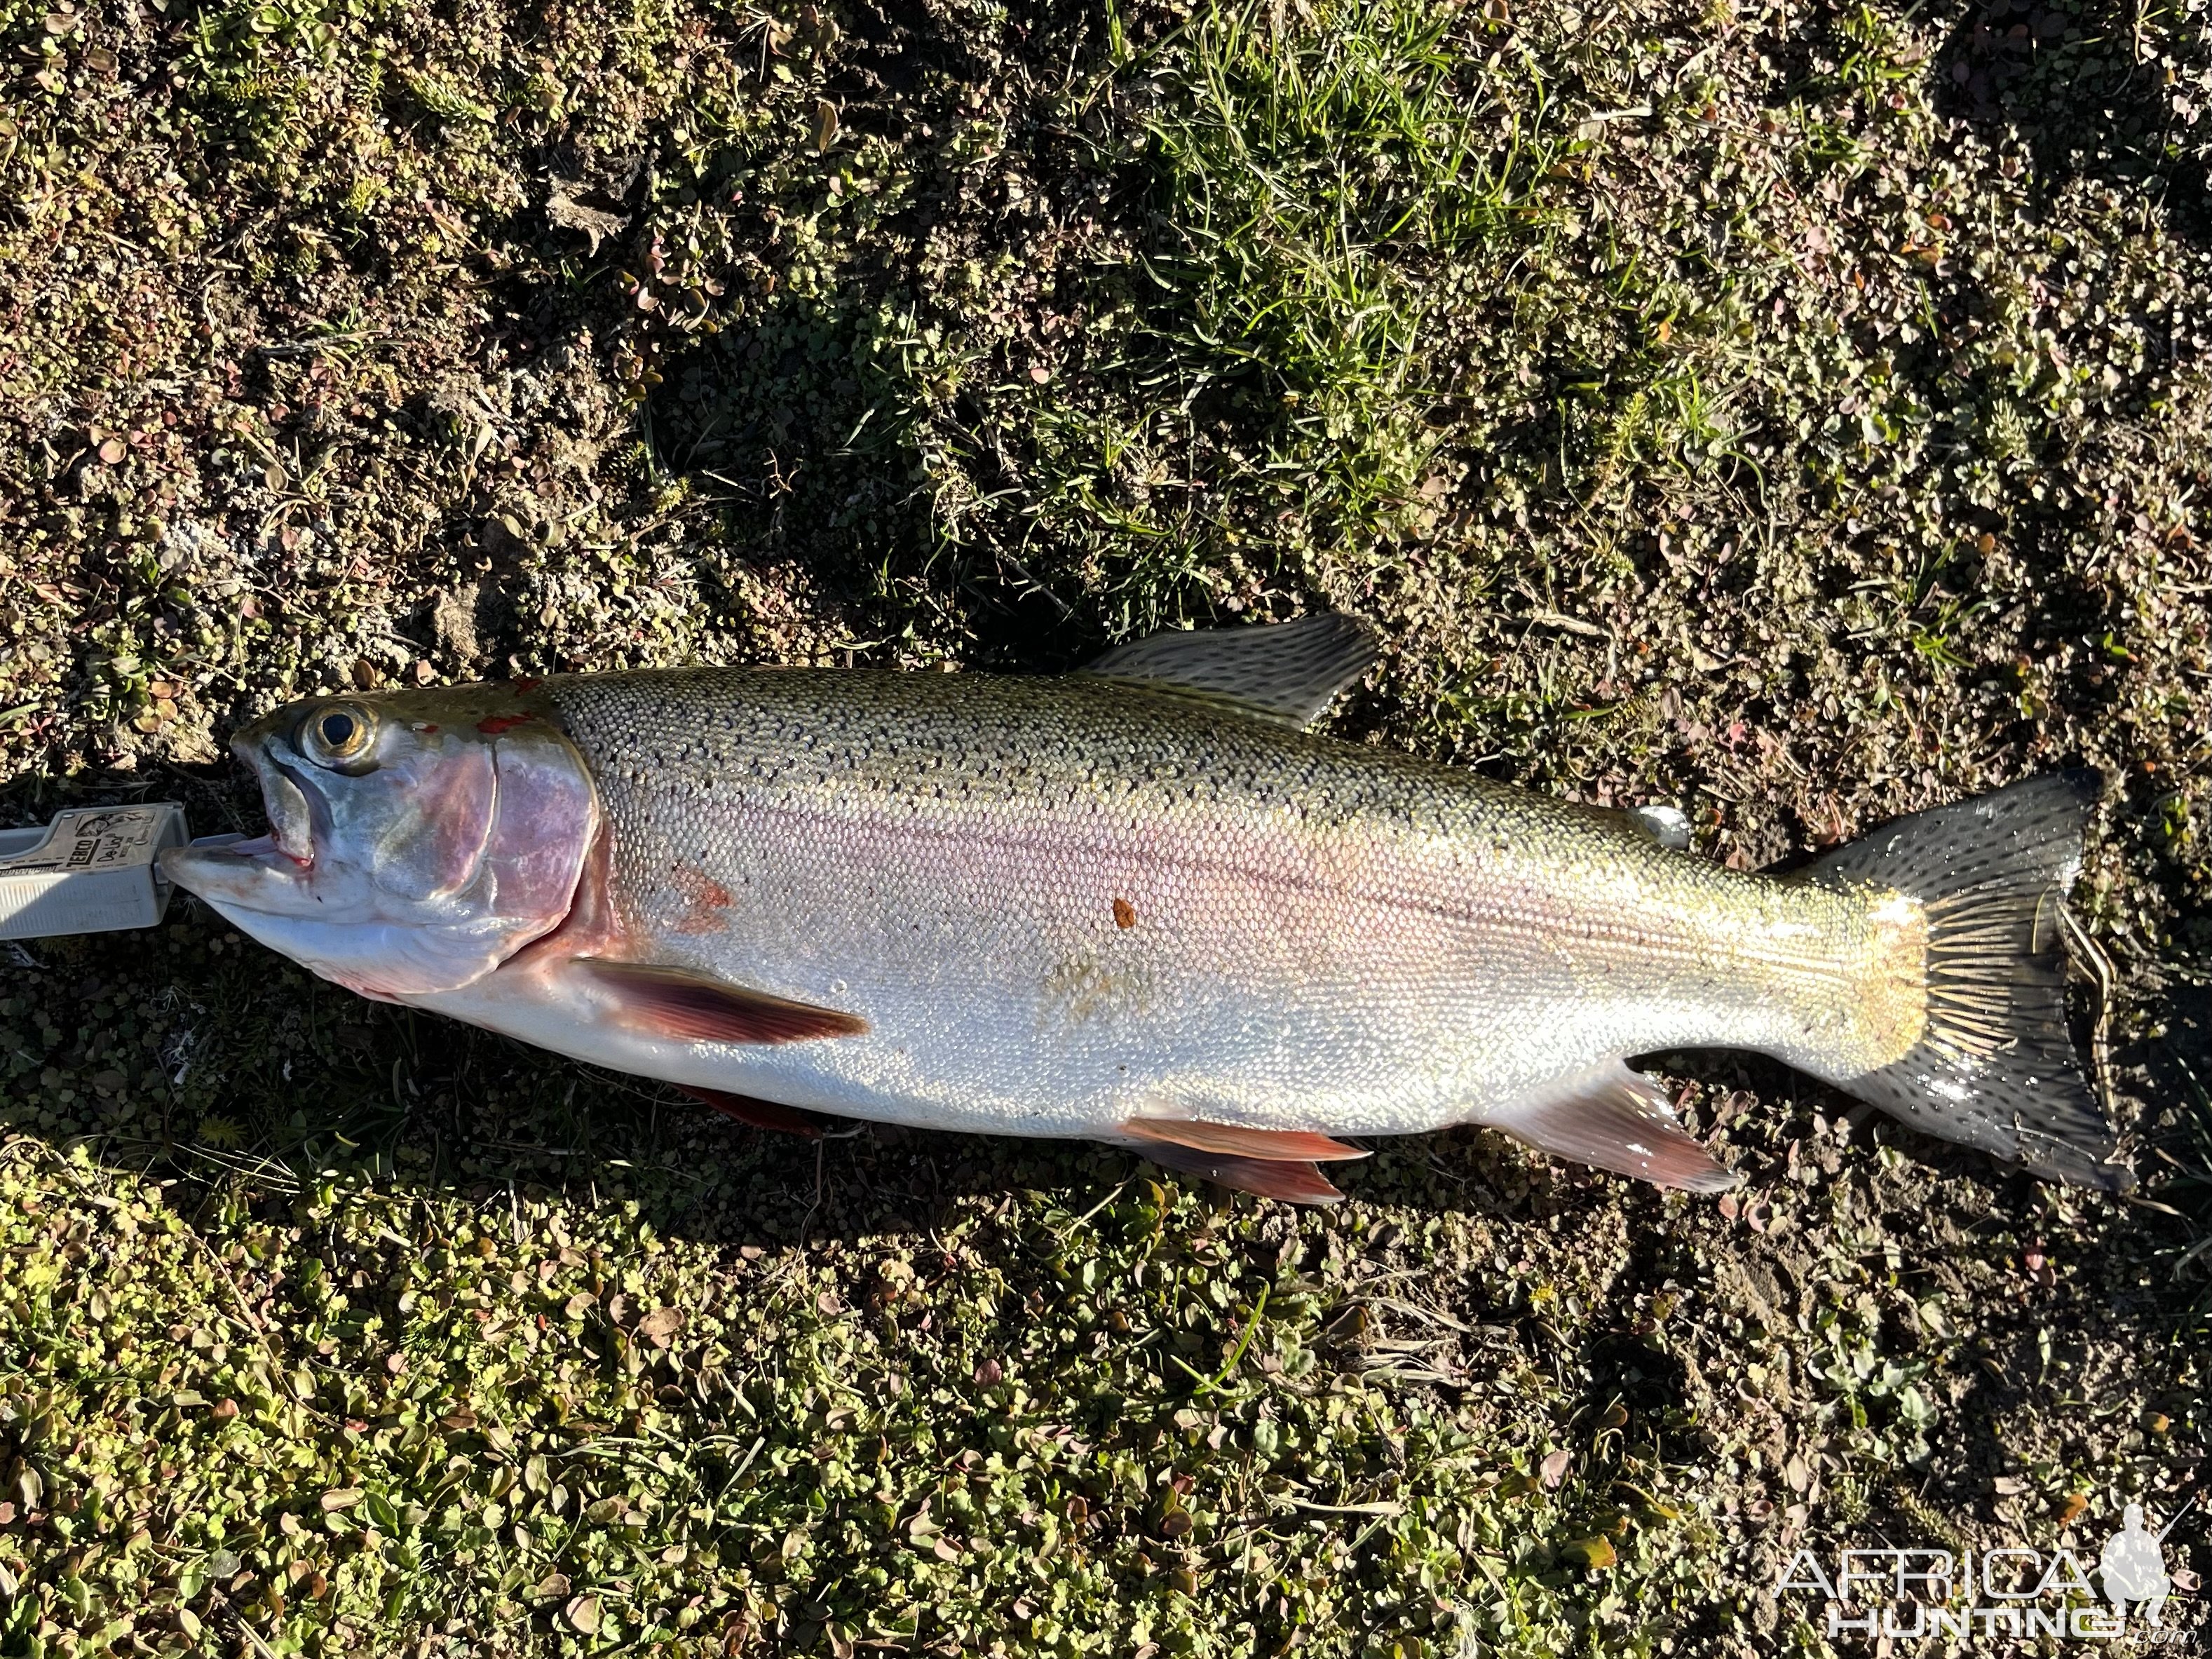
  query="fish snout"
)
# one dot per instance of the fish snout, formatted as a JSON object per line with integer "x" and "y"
{"x": 268, "y": 872}
{"x": 255, "y": 874}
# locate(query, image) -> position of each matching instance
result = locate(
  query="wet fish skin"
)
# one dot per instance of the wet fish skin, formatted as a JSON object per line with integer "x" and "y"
{"x": 1061, "y": 907}
{"x": 1321, "y": 937}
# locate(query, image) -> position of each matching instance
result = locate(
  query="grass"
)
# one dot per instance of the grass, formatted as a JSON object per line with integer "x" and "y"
{"x": 1797, "y": 414}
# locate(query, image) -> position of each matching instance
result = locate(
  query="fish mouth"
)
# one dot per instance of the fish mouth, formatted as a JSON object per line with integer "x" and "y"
{"x": 285, "y": 798}
{"x": 238, "y": 869}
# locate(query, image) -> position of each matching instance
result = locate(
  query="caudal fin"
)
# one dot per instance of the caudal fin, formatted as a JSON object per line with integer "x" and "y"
{"x": 1995, "y": 1067}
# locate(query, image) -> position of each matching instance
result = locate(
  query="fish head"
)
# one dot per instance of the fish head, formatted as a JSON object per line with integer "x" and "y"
{"x": 417, "y": 840}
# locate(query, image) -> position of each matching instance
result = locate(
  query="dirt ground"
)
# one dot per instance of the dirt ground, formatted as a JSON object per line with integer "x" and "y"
{"x": 1795, "y": 413}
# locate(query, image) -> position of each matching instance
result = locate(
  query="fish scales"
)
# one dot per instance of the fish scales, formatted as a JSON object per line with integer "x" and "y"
{"x": 1323, "y": 936}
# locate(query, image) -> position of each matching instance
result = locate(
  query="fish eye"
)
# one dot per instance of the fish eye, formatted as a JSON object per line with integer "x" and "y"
{"x": 338, "y": 735}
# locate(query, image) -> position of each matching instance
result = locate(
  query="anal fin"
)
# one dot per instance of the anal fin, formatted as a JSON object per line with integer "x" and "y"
{"x": 695, "y": 1007}
{"x": 1293, "y": 1181}
{"x": 756, "y": 1114}
{"x": 1235, "y": 1140}
{"x": 1619, "y": 1120}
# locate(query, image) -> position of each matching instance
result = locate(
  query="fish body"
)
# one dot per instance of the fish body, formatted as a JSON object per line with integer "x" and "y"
{"x": 1062, "y": 904}
{"x": 1134, "y": 907}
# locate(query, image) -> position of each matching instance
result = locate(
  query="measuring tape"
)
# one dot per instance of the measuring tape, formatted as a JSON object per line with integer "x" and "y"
{"x": 91, "y": 871}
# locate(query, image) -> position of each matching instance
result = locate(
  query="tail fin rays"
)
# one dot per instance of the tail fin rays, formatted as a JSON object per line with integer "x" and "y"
{"x": 1995, "y": 1067}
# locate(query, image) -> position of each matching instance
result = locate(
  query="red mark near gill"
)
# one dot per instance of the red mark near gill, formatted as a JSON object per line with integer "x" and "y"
{"x": 1125, "y": 913}
{"x": 702, "y": 896}
{"x": 492, "y": 725}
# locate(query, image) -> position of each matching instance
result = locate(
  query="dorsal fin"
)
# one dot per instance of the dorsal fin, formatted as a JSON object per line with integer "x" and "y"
{"x": 1286, "y": 672}
{"x": 1661, "y": 824}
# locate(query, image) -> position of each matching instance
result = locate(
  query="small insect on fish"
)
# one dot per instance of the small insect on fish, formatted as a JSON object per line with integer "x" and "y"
{"x": 1141, "y": 903}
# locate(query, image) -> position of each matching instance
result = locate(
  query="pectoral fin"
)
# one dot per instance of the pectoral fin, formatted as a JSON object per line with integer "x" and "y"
{"x": 1285, "y": 673}
{"x": 695, "y": 1007}
{"x": 1619, "y": 1120}
{"x": 758, "y": 1113}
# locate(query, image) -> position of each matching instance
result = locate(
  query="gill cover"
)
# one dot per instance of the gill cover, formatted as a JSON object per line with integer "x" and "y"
{"x": 416, "y": 841}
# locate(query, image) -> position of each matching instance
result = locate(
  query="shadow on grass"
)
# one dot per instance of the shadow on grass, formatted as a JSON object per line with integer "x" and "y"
{"x": 2087, "y": 93}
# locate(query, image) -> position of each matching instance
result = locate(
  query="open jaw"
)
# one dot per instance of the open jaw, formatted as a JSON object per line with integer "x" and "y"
{"x": 289, "y": 804}
{"x": 239, "y": 873}
{"x": 419, "y": 874}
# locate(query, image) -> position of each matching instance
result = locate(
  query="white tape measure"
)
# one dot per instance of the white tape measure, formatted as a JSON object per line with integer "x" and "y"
{"x": 91, "y": 871}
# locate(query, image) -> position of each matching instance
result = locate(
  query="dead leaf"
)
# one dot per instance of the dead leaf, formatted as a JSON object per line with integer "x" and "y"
{"x": 565, "y": 212}
{"x": 1554, "y": 1467}
{"x": 659, "y": 1327}
{"x": 825, "y": 124}
{"x": 1595, "y": 1553}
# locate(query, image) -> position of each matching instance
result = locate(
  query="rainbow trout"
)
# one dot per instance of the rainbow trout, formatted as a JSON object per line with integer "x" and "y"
{"x": 1140, "y": 903}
